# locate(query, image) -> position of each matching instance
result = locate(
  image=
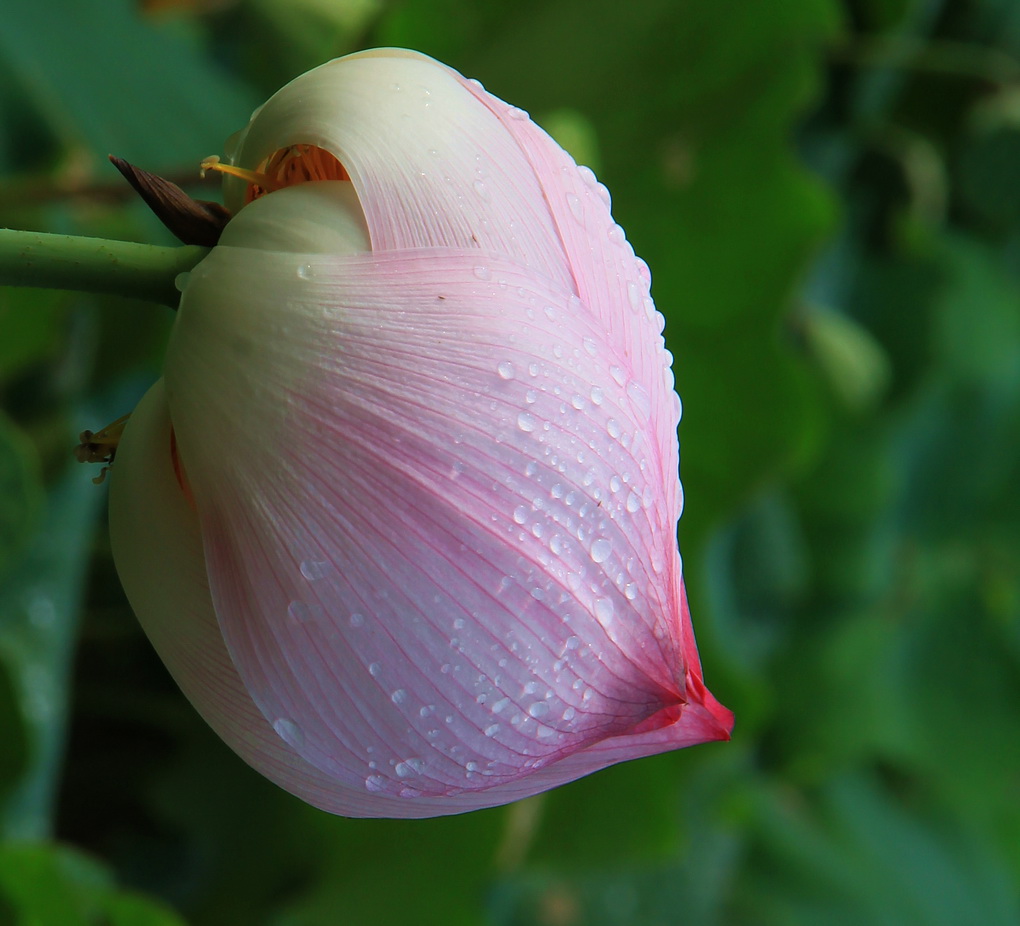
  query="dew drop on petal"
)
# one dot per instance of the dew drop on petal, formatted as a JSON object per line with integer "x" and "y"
{"x": 399, "y": 696}
{"x": 313, "y": 569}
{"x": 604, "y": 611}
{"x": 576, "y": 207}
{"x": 639, "y": 398}
{"x": 409, "y": 768}
{"x": 505, "y": 369}
{"x": 597, "y": 395}
{"x": 492, "y": 730}
{"x": 527, "y": 422}
{"x": 303, "y": 612}
{"x": 539, "y": 709}
{"x": 375, "y": 783}
{"x": 601, "y": 550}
{"x": 634, "y": 295}
{"x": 483, "y": 273}
{"x": 289, "y": 732}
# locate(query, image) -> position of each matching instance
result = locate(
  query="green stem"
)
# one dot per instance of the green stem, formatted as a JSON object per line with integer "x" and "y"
{"x": 95, "y": 265}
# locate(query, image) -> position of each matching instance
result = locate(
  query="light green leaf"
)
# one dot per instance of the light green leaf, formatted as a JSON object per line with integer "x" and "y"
{"x": 109, "y": 81}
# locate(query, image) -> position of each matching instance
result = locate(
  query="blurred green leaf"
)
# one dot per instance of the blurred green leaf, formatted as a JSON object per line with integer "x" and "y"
{"x": 20, "y": 491}
{"x": 31, "y": 321}
{"x": 868, "y": 859}
{"x": 44, "y": 884}
{"x": 162, "y": 105}
{"x": 39, "y": 605}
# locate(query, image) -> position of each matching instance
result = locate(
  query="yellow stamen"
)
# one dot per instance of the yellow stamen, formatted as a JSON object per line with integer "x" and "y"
{"x": 284, "y": 167}
{"x": 252, "y": 176}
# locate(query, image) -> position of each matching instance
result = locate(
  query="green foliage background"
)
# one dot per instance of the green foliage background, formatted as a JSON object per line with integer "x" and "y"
{"x": 828, "y": 193}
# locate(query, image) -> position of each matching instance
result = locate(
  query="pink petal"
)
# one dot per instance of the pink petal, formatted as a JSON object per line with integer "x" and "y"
{"x": 460, "y": 571}
{"x": 610, "y": 281}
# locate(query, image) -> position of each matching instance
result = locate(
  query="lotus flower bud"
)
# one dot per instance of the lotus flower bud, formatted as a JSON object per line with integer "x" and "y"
{"x": 401, "y": 515}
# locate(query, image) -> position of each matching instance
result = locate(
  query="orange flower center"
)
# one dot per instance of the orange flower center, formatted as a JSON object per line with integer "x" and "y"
{"x": 284, "y": 167}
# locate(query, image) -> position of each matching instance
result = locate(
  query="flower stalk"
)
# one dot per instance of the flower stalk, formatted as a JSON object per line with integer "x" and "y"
{"x": 95, "y": 265}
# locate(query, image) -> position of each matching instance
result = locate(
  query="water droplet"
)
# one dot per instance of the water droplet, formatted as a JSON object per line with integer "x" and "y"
{"x": 597, "y": 395}
{"x": 590, "y": 346}
{"x": 613, "y": 428}
{"x": 374, "y": 669}
{"x": 616, "y": 234}
{"x": 604, "y": 611}
{"x": 638, "y": 395}
{"x": 526, "y": 421}
{"x": 505, "y": 369}
{"x": 399, "y": 696}
{"x": 515, "y": 112}
{"x": 569, "y": 714}
{"x": 550, "y": 313}
{"x": 572, "y": 643}
{"x": 483, "y": 273}
{"x": 577, "y": 401}
{"x": 492, "y": 730}
{"x": 482, "y": 190}
{"x": 532, "y": 369}
{"x": 302, "y": 612}
{"x": 618, "y": 375}
{"x": 539, "y": 709}
{"x": 520, "y": 514}
{"x": 314, "y": 569}
{"x": 601, "y": 550}
{"x": 634, "y": 295}
{"x": 576, "y": 207}
{"x": 375, "y": 783}
{"x": 630, "y": 591}
{"x": 409, "y": 768}
{"x": 289, "y": 732}
{"x": 531, "y": 397}
{"x": 181, "y": 281}
{"x": 633, "y": 502}
{"x": 356, "y": 620}
{"x": 471, "y": 766}
{"x": 587, "y": 175}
